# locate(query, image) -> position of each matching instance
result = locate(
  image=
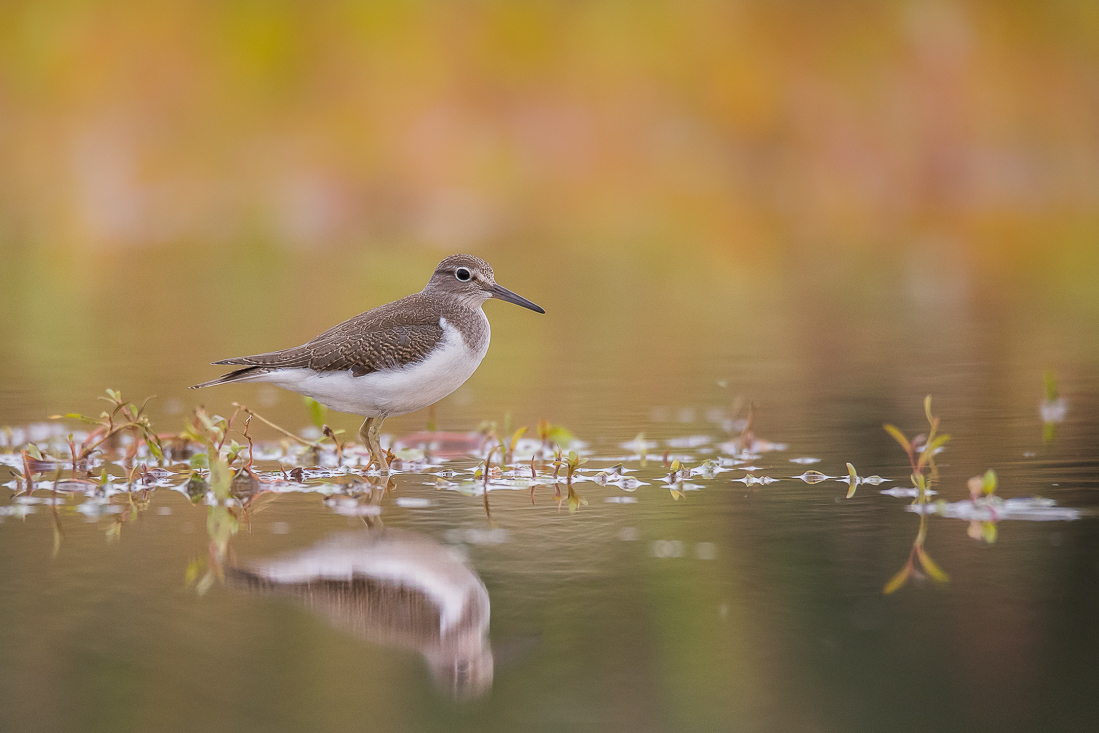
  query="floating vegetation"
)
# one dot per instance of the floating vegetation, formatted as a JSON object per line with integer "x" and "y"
{"x": 106, "y": 471}
{"x": 984, "y": 509}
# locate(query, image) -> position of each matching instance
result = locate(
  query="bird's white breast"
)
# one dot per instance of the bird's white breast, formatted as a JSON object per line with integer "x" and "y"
{"x": 390, "y": 391}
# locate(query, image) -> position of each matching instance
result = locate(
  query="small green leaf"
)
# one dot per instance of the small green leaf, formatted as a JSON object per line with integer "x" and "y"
{"x": 76, "y": 416}
{"x": 899, "y": 437}
{"x": 516, "y": 436}
{"x": 154, "y": 447}
{"x": 928, "y": 452}
{"x": 988, "y": 482}
{"x": 316, "y": 412}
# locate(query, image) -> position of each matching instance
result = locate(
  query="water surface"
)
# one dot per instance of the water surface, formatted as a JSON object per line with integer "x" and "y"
{"x": 714, "y": 603}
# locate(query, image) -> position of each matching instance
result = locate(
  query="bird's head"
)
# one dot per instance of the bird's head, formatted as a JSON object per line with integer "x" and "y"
{"x": 471, "y": 279}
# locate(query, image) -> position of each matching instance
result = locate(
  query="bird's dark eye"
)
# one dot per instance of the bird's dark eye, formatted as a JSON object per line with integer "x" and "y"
{"x": 462, "y": 274}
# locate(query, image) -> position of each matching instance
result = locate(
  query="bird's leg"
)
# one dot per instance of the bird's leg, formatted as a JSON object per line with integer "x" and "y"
{"x": 369, "y": 432}
{"x": 383, "y": 461}
{"x": 366, "y": 437}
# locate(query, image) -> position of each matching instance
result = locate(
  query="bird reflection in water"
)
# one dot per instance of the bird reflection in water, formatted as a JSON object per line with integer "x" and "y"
{"x": 395, "y": 588}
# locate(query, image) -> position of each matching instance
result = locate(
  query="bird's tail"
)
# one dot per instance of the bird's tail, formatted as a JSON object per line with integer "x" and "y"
{"x": 237, "y": 375}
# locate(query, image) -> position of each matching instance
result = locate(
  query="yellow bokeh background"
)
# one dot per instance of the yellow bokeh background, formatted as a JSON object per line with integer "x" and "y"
{"x": 756, "y": 129}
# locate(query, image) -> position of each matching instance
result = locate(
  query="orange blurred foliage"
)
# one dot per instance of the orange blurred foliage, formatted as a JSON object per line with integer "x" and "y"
{"x": 739, "y": 126}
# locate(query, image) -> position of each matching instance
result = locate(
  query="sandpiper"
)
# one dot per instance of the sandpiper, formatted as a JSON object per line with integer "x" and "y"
{"x": 393, "y": 359}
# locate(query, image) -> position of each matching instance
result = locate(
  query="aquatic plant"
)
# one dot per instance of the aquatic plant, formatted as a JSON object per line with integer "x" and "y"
{"x": 982, "y": 492}
{"x": 552, "y": 435}
{"x": 121, "y": 418}
{"x": 921, "y": 458}
{"x": 921, "y": 450}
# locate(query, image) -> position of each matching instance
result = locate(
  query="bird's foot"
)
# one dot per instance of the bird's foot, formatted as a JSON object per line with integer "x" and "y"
{"x": 379, "y": 459}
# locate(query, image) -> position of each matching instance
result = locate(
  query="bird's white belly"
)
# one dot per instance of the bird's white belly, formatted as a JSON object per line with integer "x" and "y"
{"x": 389, "y": 391}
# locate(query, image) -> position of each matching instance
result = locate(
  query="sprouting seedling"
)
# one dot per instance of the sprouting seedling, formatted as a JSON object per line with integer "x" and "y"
{"x": 570, "y": 464}
{"x": 123, "y": 416}
{"x": 488, "y": 461}
{"x": 509, "y": 454}
{"x": 551, "y": 435}
{"x": 982, "y": 485}
{"x": 921, "y": 450}
{"x": 982, "y": 490}
{"x": 675, "y": 476}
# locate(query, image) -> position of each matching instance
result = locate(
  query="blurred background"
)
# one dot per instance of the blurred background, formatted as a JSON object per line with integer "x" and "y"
{"x": 185, "y": 181}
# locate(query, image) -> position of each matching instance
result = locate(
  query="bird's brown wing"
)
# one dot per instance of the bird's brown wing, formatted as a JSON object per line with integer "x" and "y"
{"x": 386, "y": 337}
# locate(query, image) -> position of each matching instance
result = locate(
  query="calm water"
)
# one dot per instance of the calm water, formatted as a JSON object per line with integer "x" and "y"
{"x": 718, "y": 603}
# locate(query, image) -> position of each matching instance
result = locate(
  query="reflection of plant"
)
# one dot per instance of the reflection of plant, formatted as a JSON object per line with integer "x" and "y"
{"x": 675, "y": 477}
{"x": 571, "y": 463}
{"x": 921, "y": 451}
{"x": 917, "y": 554}
{"x": 921, "y": 458}
{"x": 1052, "y": 409}
{"x": 221, "y": 519}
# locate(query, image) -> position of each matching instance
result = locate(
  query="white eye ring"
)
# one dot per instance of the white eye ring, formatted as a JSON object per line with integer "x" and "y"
{"x": 463, "y": 274}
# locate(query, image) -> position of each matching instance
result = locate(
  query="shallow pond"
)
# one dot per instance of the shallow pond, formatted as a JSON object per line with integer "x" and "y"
{"x": 696, "y": 574}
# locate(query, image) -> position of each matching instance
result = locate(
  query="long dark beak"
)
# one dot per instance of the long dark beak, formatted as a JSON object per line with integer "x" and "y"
{"x": 502, "y": 293}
